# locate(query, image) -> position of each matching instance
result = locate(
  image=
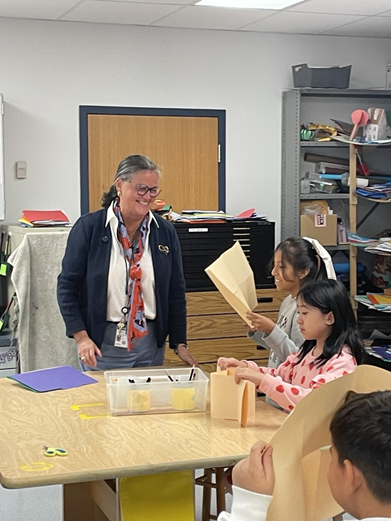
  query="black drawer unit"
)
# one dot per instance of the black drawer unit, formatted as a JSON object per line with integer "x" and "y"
{"x": 203, "y": 243}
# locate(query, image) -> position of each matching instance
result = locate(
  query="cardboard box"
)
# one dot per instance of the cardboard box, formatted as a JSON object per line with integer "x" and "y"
{"x": 320, "y": 227}
{"x": 388, "y": 81}
{"x": 377, "y": 124}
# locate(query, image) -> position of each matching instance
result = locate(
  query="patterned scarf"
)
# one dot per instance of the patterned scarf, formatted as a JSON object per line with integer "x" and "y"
{"x": 136, "y": 321}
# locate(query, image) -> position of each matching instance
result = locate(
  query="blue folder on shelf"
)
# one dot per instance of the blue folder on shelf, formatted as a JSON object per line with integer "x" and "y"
{"x": 52, "y": 379}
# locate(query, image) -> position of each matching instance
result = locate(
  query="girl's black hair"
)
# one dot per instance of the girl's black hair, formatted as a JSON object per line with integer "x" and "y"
{"x": 300, "y": 254}
{"x": 330, "y": 295}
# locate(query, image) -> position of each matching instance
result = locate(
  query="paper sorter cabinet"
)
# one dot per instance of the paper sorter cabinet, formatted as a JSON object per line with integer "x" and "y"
{"x": 202, "y": 243}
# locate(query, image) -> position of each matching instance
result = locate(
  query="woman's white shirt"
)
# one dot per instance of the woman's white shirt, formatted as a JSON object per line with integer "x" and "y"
{"x": 116, "y": 296}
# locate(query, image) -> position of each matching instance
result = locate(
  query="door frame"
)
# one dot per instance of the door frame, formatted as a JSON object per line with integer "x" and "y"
{"x": 86, "y": 110}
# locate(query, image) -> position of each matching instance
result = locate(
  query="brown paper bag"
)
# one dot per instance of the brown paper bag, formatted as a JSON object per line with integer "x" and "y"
{"x": 229, "y": 400}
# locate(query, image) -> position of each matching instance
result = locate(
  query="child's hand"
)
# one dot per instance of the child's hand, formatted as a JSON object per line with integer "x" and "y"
{"x": 224, "y": 363}
{"x": 256, "y": 472}
{"x": 260, "y": 322}
{"x": 249, "y": 374}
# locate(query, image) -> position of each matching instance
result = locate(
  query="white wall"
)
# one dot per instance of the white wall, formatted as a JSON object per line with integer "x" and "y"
{"x": 48, "y": 69}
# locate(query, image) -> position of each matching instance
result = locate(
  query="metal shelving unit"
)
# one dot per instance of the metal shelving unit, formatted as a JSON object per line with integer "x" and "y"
{"x": 316, "y": 106}
{"x": 353, "y": 250}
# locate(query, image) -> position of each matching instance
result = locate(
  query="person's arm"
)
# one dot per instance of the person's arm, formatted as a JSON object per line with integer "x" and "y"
{"x": 253, "y": 484}
{"x": 177, "y": 305}
{"x": 86, "y": 348}
{"x": 247, "y": 506}
{"x": 288, "y": 395}
{"x": 256, "y": 374}
{"x": 69, "y": 286}
{"x": 71, "y": 279}
{"x": 284, "y": 341}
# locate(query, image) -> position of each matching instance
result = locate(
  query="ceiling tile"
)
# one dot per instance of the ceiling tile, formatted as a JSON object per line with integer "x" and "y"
{"x": 373, "y": 27}
{"x": 41, "y": 9}
{"x": 119, "y": 12}
{"x": 299, "y": 23}
{"x": 362, "y": 7}
{"x": 179, "y": 2}
{"x": 205, "y": 17}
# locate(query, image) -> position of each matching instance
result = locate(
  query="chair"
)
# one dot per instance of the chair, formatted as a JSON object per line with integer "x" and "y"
{"x": 212, "y": 478}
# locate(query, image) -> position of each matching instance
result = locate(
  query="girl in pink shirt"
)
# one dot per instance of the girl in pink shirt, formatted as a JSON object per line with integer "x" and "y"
{"x": 332, "y": 346}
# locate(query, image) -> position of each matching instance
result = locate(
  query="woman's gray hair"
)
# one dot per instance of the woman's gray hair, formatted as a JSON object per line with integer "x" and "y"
{"x": 127, "y": 168}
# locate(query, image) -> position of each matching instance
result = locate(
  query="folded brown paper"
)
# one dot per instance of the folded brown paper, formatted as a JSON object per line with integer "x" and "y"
{"x": 229, "y": 400}
{"x": 301, "y": 448}
{"x": 233, "y": 277}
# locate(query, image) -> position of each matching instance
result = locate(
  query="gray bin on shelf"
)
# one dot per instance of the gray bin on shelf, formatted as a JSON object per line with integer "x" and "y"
{"x": 321, "y": 78}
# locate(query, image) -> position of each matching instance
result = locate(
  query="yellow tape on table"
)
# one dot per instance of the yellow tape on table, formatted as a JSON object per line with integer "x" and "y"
{"x": 158, "y": 497}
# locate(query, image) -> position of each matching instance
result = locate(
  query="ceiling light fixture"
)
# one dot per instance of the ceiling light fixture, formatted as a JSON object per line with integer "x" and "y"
{"x": 250, "y": 4}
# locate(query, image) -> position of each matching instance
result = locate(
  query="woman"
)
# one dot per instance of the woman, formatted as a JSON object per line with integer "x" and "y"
{"x": 121, "y": 290}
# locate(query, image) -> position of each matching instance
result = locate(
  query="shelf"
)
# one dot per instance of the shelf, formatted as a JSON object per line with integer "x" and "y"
{"x": 330, "y": 144}
{"x": 338, "y": 247}
{"x": 314, "y": 196}
{"x": 344, "y": 93}
{"x": 372, "y": 200}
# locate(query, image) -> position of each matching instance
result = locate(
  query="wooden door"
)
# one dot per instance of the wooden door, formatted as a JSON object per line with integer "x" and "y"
{"x": 186, "y": 148}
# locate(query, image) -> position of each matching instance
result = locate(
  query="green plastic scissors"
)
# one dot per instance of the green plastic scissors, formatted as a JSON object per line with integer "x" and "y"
{"x": 53, "y": 451}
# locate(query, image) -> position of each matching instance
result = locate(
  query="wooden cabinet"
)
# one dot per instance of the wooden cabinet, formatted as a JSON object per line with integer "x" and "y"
{"x": 214, "y": 329}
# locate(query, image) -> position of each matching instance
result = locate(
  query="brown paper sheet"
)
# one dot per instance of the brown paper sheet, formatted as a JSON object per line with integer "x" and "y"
{"x": 300, "y": 448}
{"x": 229, "y": 400}
{"x": 233, "y": 277}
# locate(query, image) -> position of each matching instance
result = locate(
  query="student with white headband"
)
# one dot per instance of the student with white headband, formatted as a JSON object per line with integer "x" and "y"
{"x": 297, "y": 261}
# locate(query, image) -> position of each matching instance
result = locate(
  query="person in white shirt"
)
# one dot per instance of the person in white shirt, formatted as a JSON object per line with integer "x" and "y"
{"x": 121, "y": 290}
{"x": 359, "y": 475}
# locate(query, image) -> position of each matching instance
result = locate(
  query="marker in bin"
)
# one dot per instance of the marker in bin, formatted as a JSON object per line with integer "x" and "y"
{"x": 170, "y": 377}
{"x": 147, "y": 380}
{"x": 192, "y": 374}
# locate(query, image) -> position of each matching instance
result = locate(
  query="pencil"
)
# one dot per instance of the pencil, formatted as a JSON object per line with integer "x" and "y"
{"x": 167, "y": 373}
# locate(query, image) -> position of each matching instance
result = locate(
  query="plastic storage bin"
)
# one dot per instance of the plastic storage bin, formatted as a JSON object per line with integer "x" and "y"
{"x": 8, "y": 354}
{"x": 321, "y": 78}
{"x": 150, "y": 391}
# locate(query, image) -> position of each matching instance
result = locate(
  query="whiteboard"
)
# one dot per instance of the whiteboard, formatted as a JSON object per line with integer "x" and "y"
{"x": 2, "y": 202}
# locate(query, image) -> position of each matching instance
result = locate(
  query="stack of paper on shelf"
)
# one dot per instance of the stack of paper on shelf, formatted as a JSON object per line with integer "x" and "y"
{"x": 360, "y": 241}
{"x": 382, "y": 248}
{"x": 34, "y": 218}
{"x": 364, "y": 299}
{"x": 379, "y": 299}
{"x": 213, "y": 216}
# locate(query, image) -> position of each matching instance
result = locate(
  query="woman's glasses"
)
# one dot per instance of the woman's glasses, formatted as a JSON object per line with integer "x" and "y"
{"x": 144, "y": 189}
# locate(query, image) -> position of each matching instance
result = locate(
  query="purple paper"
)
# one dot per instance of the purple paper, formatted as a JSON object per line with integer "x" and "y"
{"x": 64, "y": 377}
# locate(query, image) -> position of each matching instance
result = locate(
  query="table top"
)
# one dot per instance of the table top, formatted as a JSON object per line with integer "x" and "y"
{"x": 102, "y": 446}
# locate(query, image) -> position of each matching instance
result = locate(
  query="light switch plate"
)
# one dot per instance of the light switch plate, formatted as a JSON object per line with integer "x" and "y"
{"x": 21, "y": 170}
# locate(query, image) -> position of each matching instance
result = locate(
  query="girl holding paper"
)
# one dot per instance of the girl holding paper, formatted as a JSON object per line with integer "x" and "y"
{"x": 332, "y": 347}
{"x": 297, "y": 261}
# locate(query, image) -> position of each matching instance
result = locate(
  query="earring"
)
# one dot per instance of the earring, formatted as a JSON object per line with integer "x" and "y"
{"x": 118, "y": 193}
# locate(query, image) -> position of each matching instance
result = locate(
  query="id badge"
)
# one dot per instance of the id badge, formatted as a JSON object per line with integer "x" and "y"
{"x": 121, "y": 336}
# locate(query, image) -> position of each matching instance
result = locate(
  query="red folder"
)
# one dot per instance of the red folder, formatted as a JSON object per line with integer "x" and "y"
{"x": 45, "y": 217}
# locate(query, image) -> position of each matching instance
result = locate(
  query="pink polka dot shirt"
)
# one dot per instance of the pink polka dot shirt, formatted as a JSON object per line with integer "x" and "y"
{"x": 289, "y": 383}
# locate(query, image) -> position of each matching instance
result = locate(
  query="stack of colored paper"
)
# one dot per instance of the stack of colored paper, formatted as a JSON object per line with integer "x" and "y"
{"x": 379, "y": 299}
{"x": 44, "y": 218}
